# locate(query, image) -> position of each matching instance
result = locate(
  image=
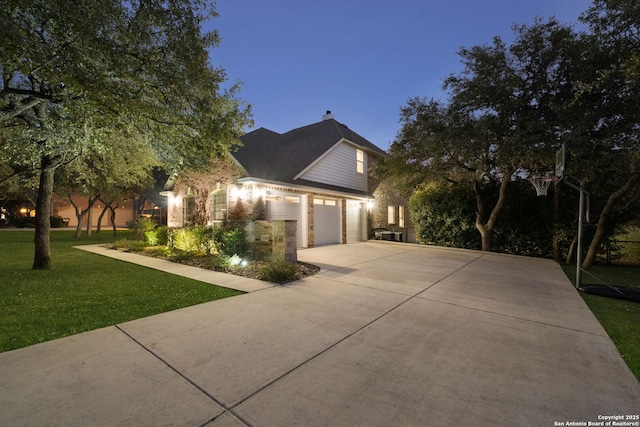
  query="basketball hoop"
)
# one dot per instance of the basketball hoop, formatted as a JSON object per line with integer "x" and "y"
{"x": 541, "y": 183}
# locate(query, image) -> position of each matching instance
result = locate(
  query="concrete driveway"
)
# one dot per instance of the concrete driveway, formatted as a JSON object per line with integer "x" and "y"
{"x": 386, "y": 334}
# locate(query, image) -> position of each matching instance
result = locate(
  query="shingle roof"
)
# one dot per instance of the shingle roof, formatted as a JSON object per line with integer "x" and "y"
{"x": 280, "y": 157}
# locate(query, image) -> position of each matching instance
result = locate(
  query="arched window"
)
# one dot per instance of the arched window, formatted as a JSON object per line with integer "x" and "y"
{"x": 219, "y": 207}
{"x": 189, "y": 209}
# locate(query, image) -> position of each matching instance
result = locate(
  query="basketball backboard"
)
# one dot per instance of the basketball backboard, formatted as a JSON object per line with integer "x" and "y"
{"x": 560, "y": 159}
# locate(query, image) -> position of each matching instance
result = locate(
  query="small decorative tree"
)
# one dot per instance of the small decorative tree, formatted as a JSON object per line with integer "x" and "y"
{"x": 259, "y": 210}
{"x": 238, "y": 212}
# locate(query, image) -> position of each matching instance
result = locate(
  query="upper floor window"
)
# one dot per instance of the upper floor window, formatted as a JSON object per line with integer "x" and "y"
{"x": 359, "y": 161}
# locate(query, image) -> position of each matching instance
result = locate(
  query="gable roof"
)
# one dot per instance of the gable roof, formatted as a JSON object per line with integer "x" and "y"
{"x": 280, "y": 157}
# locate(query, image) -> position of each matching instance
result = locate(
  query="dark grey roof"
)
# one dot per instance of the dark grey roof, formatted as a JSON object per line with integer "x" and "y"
{"x": 280, "y": 157}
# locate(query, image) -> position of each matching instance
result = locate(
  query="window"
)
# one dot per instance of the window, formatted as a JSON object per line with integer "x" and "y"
{"x": 219, "y": 206}
{"x": 291, "y": 199}
{"x": 391, "y": 215}
{"x": 326, "y": 202}
{"x": 401, "y": 216}
{"x": 189, "y": 210}
{"x": 359, "y": 161}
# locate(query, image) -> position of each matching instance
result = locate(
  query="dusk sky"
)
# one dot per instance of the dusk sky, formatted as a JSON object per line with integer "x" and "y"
{"x": 360, "y": 59}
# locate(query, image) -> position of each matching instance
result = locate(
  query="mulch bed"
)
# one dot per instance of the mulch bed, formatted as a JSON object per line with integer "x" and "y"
{"x": 252, "y": 269}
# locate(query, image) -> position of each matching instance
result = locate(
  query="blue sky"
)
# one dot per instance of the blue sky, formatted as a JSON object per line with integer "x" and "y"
{"x": 360, "y": 59}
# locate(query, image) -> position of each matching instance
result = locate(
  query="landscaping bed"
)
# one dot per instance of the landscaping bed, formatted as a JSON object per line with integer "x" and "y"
{"x": 253, "y": 269}
{"x": 276, "y": 272}
{"x": 224, "y": 249}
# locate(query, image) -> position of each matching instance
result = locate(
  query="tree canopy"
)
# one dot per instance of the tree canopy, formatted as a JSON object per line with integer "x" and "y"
{"x": 77, "y": 76}
{"x": 512, "y": 106}
{"x": 503, "y": 114}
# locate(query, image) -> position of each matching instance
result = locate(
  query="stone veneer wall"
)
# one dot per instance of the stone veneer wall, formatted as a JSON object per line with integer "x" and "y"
{"x": 275, "y": 241}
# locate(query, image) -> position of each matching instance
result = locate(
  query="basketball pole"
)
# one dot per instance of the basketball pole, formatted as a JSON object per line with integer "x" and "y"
{"x": 583, "y": 192}
{"x": 580, "y": 228}
{"x": 562, "y": 176}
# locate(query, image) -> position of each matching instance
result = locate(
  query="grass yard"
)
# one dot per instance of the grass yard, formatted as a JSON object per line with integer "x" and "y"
{"x": 83, "y": 291}
{"x": 621, "y": 319}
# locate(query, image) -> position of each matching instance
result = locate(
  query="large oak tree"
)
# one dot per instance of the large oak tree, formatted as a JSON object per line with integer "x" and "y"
{"x": 75, "y": 74}
{"x": 608, "y": 99}
{"x": 503, "y": 116}
{"x": 512, "y": 106}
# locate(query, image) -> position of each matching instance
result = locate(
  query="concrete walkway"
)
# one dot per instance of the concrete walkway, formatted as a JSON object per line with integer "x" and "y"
{"x": 386, "y": 334}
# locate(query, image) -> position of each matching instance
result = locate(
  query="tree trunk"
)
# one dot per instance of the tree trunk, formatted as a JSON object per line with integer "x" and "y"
{"x": 601, "y": 229}
{"x": 99, "y": 224}
{"x": 485, "y": 235}
{"x": 486, "y": 229}
{"x": 572, "y": 250}
{"x": 107, "y": 206}
{"x": 79, "y": 226}
{"x": 80, "y": 213}
{"x": 113, "y": 219}
{"x": 42, "y": 255}
{"x": 90, "y": 216}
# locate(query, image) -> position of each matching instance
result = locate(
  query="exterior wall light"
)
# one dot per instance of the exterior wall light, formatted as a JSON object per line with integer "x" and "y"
{"x": 259, "y": 192}
{"x": 239, "y": 193}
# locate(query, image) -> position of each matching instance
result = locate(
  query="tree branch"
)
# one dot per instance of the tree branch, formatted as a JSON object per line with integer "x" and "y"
{"x": 13, "y": 110}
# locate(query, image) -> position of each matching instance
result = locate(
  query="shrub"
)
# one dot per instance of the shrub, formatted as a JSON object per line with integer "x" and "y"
{"x": 234, "y": 241}
{"x": 218, "y": 262}
{"x": 207, "y": 239}
{"x": 259, "y": 210}
{"x": 445, "y": 216}
{"x": 176, "y": 255}
{"x": 278, "y": 272}
{"x": 129, "y": 245}
{"x": 157, "y": 237}
{"x": 24, "y": 222}
{"x": 141, "y": 226}
{"x": 199, "y": 239}
{"x": 56, "y": 221}
{"x": 629, "y": 248}
{"x": 182, "y": 239}
{"x": 237, "y": 212}
{"x": 158, "y": 251}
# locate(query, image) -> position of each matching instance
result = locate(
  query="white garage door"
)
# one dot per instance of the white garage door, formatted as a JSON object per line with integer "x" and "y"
{"x": 287, "y": 206}
{"x": 326, "y": 221}
{"x": 356, "y": 221}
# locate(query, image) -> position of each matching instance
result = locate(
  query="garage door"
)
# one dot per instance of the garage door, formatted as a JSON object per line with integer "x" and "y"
{"x": 356, "y": 221}
{"x": 326, "y": 221}
{"x": 287, "y": 206}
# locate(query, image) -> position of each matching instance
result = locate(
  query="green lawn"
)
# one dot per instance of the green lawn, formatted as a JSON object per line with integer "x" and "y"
{"x": 83, "y": 291}
{"x": 621, "y": 319}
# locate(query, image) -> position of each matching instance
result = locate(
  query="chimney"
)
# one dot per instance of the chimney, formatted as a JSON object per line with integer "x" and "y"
{"x": 327, "y": 116}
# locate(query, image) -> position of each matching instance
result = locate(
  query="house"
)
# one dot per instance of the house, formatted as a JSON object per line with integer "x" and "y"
{"x": 315, "y": 174}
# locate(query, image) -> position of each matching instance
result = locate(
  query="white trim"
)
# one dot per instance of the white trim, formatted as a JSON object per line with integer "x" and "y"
{"x": 237, "y": 163}
{"x": 287, "y": 185}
